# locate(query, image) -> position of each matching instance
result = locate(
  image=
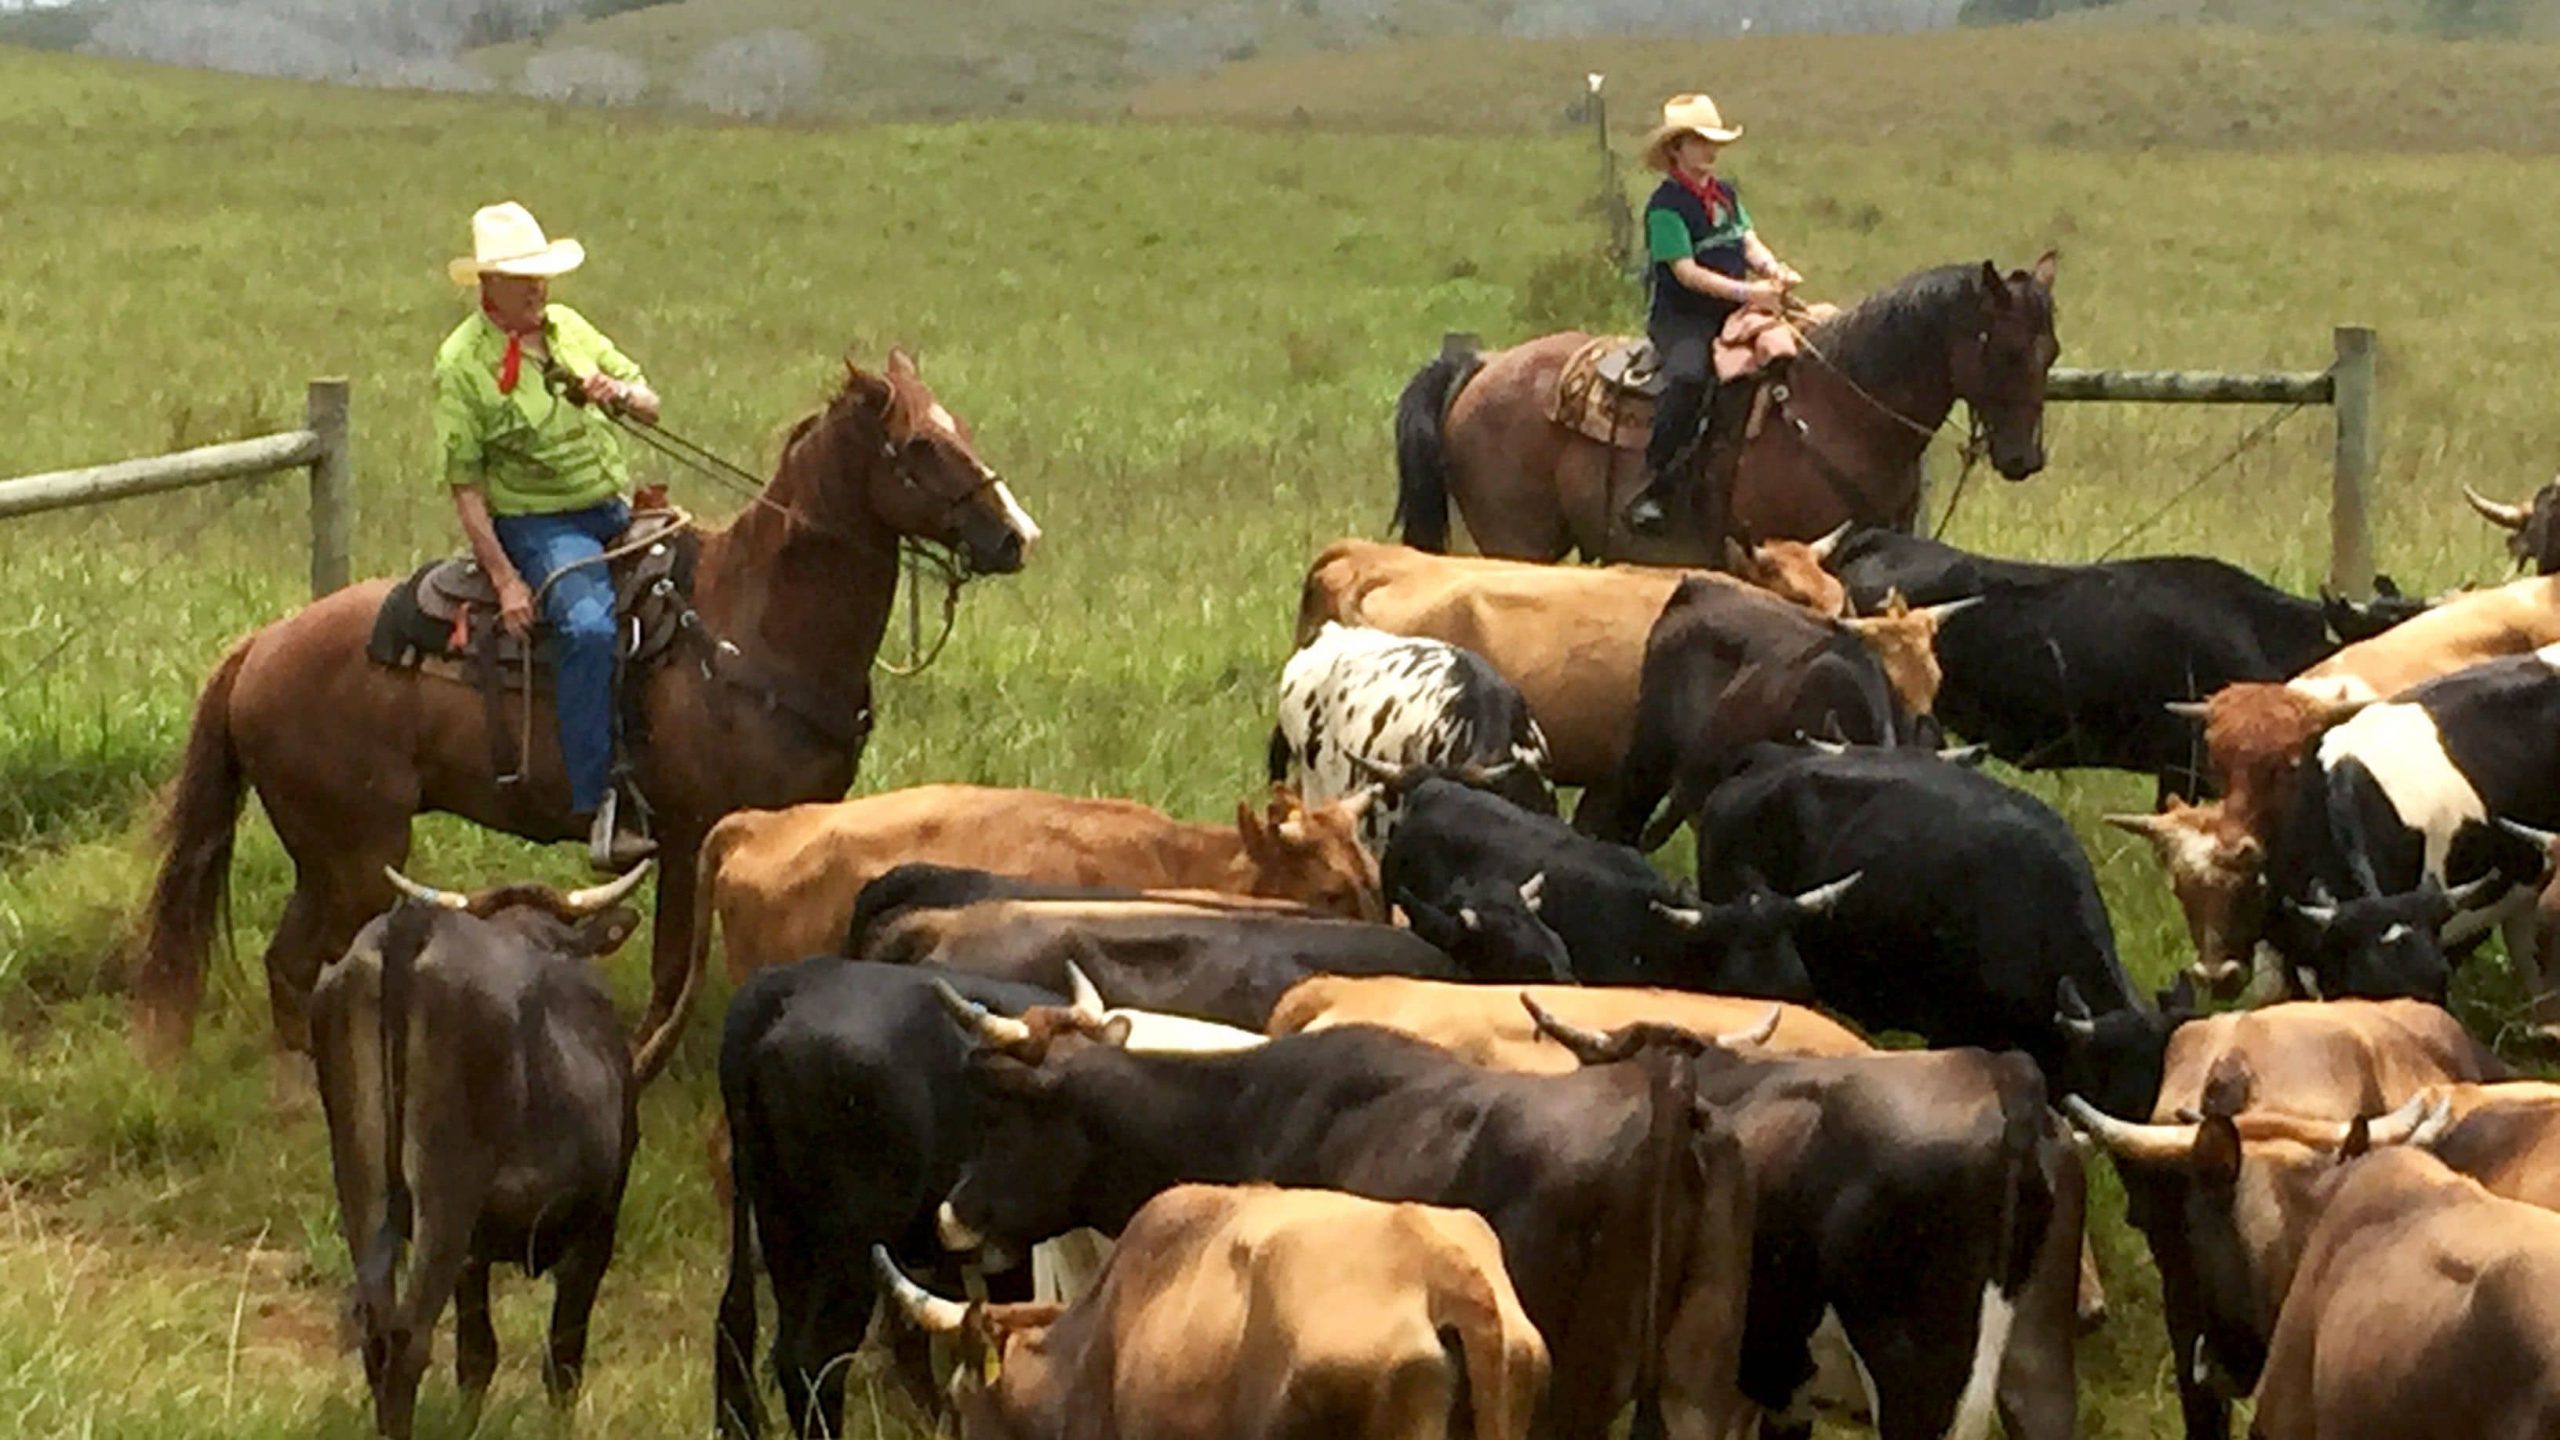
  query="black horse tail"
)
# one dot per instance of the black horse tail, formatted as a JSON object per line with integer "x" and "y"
{"x": 1422, "y": 450}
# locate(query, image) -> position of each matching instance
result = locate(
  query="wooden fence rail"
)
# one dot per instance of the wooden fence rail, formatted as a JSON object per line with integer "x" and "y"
{"x": 320, "y": 447}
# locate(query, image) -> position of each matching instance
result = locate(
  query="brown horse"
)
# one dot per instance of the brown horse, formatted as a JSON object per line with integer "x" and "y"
{"x": 1872, "y": 387}
{"x": 767, "y": 704}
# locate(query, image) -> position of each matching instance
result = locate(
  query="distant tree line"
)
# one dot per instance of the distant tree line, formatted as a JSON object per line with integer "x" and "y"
{"x": 2010, "y": 12}
{"x": 485, "y": 22}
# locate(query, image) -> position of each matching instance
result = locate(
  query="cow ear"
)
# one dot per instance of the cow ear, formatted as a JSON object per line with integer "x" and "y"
{"x": 601, "y": 934}
{"x": 1115, "y": 1032}
{"x": 1994, "y": 288}
{"x": 2047, "y": 265}
{"x": 1249, "y": 826}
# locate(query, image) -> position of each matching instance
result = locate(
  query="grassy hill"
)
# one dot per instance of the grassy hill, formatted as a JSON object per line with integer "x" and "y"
{"x": 2533, "y": 19}
{"x": 2065, "y": 85}
{"x": 1181, "y": 343}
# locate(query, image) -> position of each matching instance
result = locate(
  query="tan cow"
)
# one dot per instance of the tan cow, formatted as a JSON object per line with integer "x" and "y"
{"x": 1257, "y": 1313}
{"x": 2318, "y": 1062}
{"x": 2256, "y": 736}
{"x": 1487, "y": 1024}
{"x": 1571, "y": 638}
{"x": 782, "y": 882}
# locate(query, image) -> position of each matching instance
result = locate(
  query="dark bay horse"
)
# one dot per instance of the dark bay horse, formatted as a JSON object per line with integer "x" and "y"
{"x": 767, "y": 705}
{"x": 1873, "y": 385}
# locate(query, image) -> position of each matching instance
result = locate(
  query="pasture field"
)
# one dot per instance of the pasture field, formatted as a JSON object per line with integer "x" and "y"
{"x": 1180, "y": 342}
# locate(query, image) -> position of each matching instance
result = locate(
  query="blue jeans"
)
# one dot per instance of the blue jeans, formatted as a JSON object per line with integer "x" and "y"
{"x": 579, "y": 611}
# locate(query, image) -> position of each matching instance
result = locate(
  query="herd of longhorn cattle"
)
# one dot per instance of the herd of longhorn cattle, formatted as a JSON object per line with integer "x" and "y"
{"x": 1420, "y": 1110}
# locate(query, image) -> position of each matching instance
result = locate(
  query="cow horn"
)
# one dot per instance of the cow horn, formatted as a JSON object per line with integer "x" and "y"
{"x": 613, "y": 892}
{"x": 2416, "y": 1122}
{"x": 1588, "y": 1046}
{"x": 2539, "y": 839}
{"x": 1822, "y": 897}
{"x": 2189, "y": 709}
{"x": 1752, "y": 1036}
{"x": 2071, "y": 1010}
{"x": 1487, "y": 775}
{"x": 1533, "y": 891}
{"x": 1827, "y": 747}
{"x": 2148, "y": 826}
{"x": 2511, "y": 517}
{"x": 927, "y": 1311}
{"x": 425, "y": 894}
{"x": 2142, "y": 1144}
{"x": 1968, "y": 756}
{"x": 1081, "y": 996}
{"x": 1823, "y": 547}
{"x": 998, "y": 1031}
{"x": 2468, "y": 894}
{"x": 1687, "y": 917}
{"x": 1939, "y": 612}
{"x": 1378, "y": 770}
{"x": 1357, "y": 804}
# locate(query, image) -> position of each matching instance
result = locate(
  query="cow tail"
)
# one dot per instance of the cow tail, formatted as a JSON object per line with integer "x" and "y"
{"x": 1672, "y": 1086}
{"x": 1468, "y": 1316}
{"x": 404, "y": 937}
{"x": 1422, "y": 448}
{"x": 2022, "y": 1210}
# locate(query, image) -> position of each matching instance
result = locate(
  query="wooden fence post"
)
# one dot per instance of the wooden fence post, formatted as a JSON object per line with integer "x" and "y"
{"x": 2351, "y": 486}
{"x": 332, "y": 487}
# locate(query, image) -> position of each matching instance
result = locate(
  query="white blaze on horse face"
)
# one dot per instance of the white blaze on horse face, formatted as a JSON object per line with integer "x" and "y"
{"x": 1014, "y": 515}
{"x": 2400, "y": 747}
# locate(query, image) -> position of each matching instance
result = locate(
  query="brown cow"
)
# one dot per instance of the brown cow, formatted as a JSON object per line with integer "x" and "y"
{"x": 1487, "y": 1025}
{"x": 2324, "y": 1062}
{"x": 783, "y": 882}
{"x": 2257, "y": 734}
{"x": 1260, "y": 1313}
{"x": 2376, "y": 1289}
{"x": 1570, "y": 638}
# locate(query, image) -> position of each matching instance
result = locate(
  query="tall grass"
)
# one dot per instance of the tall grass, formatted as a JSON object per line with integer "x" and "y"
{"x": 1181, "y": 344}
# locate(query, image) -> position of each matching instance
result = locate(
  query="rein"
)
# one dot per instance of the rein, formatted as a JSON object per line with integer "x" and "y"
{"x": 1977, "y": 432}
{"x": 693, "y": 455}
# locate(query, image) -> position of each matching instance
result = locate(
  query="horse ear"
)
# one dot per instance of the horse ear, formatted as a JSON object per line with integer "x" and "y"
{"x": 2044, "y": 268}
{"x": 902, "y": 365}
{"x": 872, "y": 390}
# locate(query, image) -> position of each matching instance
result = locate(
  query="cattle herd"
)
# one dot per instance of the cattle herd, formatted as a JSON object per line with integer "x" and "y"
{"x": 1418, "y": 1108}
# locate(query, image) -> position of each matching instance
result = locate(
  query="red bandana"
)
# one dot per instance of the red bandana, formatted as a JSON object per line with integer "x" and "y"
{"x": 508, "y": 368}
{"x": 1711, "y": 195}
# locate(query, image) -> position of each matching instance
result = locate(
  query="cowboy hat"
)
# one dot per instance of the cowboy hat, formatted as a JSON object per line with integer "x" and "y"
{"x": 1687, "y": 115}
{"x": 506, "y": 240}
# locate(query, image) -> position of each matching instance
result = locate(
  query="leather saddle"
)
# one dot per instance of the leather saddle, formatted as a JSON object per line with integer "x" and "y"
{"x": 1630, "y": 367}
{"x": 1607, "y": 389}
{"x": 448, "y": 609}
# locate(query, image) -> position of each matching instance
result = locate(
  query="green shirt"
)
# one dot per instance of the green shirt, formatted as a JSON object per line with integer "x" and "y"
{"x": 530, "y": 451}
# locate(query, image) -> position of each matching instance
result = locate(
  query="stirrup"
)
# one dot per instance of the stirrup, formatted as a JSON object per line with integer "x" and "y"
{"x": 611, "y": 850}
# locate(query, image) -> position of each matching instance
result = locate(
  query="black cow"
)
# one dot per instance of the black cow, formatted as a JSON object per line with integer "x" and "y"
{"x": 1594, "y": 1182}
{"x": 1926, "y": 1203}
{"x": 480, "y": 1103}
{"x": 2073, "y": 665}
{"x": 841, "y": 1084}
{"x": 2389, "y": 861}
{"x": 1620, "y": 920}
{"x": 1990, "y": 905}
{"x": 1725, "y": 668}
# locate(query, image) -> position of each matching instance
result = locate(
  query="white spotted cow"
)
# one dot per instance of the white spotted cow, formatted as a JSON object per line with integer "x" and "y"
{"x": 1357, "y": 703}
{"x": 2392, "y": 848}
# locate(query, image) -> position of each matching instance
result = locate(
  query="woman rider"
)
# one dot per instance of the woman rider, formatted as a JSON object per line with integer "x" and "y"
{"x": 1707, "y": 263}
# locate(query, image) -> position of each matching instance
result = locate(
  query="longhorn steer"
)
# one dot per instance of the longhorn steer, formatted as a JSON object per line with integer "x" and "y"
{"x": 1353, "y": 698}
{"x": 1486, "y": 1024}
{"x": 2533, "y": 528}
{"x": 1726, "y": 668}
{"x": 1620, "y": 921}
{"x": 1990, "y": 905}
{"x": 2323, "y": 1062}
{"x": 1261, "y": 1314}
{"x": 2072, "y": 665}
{"x": 1623, "y": 1212}
{"x": 782, "y": 882}
{"x": 840, "y": 1085}
{"x": 480, "y": 1103}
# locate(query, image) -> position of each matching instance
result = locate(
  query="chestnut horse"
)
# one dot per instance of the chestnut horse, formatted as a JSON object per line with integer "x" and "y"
{"x": 766, "y": 704}
{"x": 1871, "y": 388}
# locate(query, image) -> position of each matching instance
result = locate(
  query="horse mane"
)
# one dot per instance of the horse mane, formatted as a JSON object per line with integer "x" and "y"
{"x": 1901, "y": 329}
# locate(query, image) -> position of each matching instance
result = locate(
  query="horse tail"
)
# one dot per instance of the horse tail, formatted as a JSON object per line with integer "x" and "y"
{"x": 1422, "y": 448}
{"x": 202, "y": 811}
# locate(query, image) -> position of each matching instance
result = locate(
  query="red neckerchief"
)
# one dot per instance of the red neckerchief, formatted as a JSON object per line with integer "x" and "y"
{"x": 508, "y": 368}
{"x": 1711, "y": 195}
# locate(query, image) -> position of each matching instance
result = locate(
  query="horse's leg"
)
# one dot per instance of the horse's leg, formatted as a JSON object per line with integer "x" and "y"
{"x": 338, "y": 886}
{"x": 671, "y": 929}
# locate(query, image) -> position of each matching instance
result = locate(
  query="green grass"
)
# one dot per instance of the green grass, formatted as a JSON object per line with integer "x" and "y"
{"x": 1180, "y": 342}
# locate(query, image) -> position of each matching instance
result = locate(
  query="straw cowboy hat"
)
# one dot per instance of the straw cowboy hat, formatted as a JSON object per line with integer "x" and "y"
{"x": 1686, "y": 115}
{"x": 506, "y": 240}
